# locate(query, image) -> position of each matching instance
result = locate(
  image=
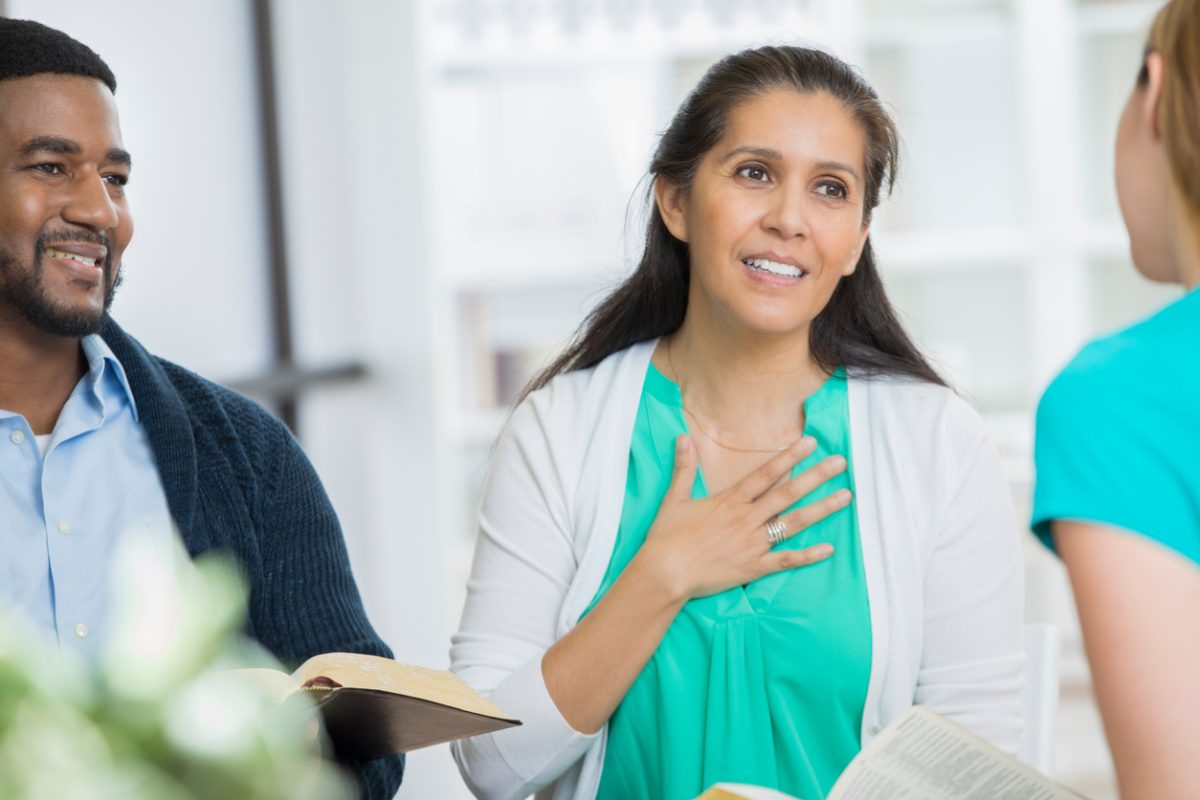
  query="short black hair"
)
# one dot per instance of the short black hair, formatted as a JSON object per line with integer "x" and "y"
{"x": 31, "y": 48}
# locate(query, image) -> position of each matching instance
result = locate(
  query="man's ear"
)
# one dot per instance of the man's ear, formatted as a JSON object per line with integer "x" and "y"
{"x": 1152, "y": 94}
{"x": 671, "y": 201}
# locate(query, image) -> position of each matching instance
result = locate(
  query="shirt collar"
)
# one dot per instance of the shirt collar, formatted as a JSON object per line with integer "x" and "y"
{"x": 99, "y": 358}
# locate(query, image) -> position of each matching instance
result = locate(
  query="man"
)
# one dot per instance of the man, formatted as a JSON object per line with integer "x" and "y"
{"x": 97, "y": 436}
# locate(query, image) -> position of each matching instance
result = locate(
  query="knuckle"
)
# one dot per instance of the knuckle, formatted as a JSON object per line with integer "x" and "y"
{"x": 835, "y": 501}
{"x": 805, "y": 557}
{"x": 800, "y": 519}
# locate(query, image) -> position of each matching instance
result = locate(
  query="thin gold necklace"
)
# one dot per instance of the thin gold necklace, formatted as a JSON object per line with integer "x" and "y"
{"x": 709, "y": 436}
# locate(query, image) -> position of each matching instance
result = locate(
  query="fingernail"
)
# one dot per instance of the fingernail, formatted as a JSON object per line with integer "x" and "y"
{"x": 842, "y": 495}
{"x": 823, "y": 550}
{"x": 837, "y": 462}
{"x": 807, "y": 443}
{"x": 681, "y": 444}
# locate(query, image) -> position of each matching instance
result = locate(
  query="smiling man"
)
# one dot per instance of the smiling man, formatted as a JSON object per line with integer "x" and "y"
{"x": 97, "y": 436}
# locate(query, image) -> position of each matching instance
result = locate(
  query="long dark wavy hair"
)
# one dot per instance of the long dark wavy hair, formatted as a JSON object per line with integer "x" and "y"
{"x": 857, "y": 328}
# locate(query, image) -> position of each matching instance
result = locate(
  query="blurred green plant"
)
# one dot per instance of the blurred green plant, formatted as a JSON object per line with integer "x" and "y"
{"x": 163, "y": 714}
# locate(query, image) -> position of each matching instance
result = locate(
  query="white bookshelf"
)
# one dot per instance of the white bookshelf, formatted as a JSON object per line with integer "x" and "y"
{"x": 1001, "y": 246}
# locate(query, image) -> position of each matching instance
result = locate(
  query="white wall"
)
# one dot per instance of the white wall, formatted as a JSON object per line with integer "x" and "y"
{"x": 357, "y": 220}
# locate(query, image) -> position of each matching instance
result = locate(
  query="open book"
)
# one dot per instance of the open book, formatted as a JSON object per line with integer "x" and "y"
{"x": 374, "y": 707}
{"x": 922, "y": 755}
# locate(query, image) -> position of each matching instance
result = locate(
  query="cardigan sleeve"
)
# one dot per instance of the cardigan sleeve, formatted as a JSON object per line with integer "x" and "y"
{"x": 236, "y": 480}
{"x": 524, "y": 565}
{"x": 972, "y": 660}
{"x": 306, "y": 601}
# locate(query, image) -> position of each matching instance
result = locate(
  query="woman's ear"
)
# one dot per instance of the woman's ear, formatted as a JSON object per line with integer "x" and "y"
{"x": 671, "y": 201}
{"x": 852, "y": 265}
{"x": 1152, "y": 94}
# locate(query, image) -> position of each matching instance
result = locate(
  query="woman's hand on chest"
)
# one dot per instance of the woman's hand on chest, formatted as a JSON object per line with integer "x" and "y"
{"x": 699, "y": 547}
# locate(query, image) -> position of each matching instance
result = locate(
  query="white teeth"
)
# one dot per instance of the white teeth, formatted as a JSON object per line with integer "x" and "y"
{"x": 774, "y": 267}
{"x": 50, "y": 251}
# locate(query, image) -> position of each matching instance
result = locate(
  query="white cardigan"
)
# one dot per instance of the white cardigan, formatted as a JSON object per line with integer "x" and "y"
{"x": 940, "y": 551}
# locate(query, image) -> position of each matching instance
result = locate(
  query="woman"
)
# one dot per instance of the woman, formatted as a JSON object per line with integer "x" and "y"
{"x": 647, "y": 595}
{"x": 1118, "y": 444}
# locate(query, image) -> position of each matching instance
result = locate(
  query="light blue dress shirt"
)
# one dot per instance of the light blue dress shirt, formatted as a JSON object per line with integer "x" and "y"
{"x": 62, "y": 514}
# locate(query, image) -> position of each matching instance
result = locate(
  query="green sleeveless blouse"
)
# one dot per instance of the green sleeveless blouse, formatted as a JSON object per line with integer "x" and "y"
{"x": 763, "y": 683}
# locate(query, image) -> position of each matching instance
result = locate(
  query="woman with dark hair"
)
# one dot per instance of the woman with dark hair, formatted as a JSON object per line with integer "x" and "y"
{"x": 656, "y": 591}
{"x": 1118, "y": 444}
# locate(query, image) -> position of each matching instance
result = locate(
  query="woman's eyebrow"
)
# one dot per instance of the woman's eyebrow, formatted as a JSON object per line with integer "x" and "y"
{"x": 839, "y": 166}
{"x": 762, "y": 152}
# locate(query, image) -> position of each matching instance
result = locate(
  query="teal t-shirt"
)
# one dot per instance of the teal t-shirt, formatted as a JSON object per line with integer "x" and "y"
{"x": 1118, "y": 433}
{"x": 763, "y": 683}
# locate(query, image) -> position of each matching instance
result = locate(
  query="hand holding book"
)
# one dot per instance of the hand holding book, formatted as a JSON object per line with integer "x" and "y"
{"x": 921, "y": 754}
{"x": 374, "y": 707}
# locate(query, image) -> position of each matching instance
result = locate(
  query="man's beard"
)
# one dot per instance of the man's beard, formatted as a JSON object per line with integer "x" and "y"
{"x": 24, "y": 290}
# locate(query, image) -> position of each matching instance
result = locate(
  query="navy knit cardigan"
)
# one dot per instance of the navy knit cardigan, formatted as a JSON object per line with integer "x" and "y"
{"x": 236, "y": 481}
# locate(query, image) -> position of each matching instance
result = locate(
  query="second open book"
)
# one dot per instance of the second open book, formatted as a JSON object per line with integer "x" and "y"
{"x": 922, "y": 755}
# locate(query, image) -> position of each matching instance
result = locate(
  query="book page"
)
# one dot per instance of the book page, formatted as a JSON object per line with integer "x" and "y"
{"x": 357, "y": 671}
{"x": 923, "y": 756}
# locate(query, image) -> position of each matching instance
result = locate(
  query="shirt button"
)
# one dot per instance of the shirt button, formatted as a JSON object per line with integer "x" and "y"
{"x": 81, "y": 631}
{"x": 875, "y": 729}
{"x": 64, "y": 526}
{"x": 17, "y": 437}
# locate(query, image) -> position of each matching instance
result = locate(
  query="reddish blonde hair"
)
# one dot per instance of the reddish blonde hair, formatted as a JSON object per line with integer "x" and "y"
{"x": 1175, "y": 35}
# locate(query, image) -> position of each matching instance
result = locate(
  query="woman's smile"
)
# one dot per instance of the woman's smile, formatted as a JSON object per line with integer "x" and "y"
{"x": 775, "y": 265}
